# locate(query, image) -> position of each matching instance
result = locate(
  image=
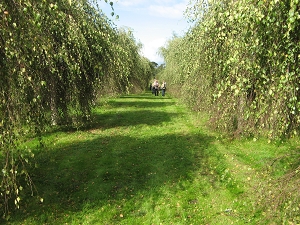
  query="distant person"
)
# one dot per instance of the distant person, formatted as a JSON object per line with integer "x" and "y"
{"x": 155, "y": 86}
{"x": 163, "y": 88}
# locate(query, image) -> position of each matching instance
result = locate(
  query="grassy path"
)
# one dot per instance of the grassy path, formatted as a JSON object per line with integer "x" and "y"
{"x": 147, "y": 160}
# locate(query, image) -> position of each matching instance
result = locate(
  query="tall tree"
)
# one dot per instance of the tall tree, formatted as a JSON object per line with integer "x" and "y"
{"x": 54, "y": 57}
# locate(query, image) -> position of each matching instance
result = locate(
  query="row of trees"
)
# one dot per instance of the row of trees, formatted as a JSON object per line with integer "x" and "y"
{"x": 55, "y": 59}
{"x": 240, "y": 63}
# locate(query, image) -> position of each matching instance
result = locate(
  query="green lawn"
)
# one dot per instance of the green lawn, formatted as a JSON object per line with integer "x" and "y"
{"x": 149, "y": 160}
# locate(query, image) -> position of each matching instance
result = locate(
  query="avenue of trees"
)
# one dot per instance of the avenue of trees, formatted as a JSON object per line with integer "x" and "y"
{"x": 55, "y": 60}
{"x": 240, "y": 63}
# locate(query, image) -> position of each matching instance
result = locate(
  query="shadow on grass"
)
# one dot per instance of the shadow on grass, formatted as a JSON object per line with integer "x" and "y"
{"x": 104, "y": 170}
{"x": 111, "y": 119}
{"x": 147, "y": 95}
{"x": 131, "y": 118}
{"x": 105, "y": 120}
{"x": 140, "y": 104}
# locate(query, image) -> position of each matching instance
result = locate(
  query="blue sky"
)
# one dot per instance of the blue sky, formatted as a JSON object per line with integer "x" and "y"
{"x": 153, "y": 21}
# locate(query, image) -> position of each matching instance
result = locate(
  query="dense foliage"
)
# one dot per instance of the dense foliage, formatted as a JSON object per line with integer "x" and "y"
{"x": 55, "y": 58}
{"x": 240, "y": 63}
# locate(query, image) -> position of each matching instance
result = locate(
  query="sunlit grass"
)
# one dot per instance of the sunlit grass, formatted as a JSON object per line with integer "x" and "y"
{"x": 147, "y": 160}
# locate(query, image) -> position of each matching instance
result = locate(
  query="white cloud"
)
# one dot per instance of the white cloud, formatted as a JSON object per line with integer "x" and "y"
{"x": 168, "y": 2}
{"x": 174, "y": 12}
{"x": 150, "y": 50}
{"x": 162, "y": 8}
{"x": 133, "y": 3}
{"x": 143, "y": 2}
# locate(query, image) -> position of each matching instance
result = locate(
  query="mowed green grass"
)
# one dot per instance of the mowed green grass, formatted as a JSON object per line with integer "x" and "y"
{"x": 149, "y": 160}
